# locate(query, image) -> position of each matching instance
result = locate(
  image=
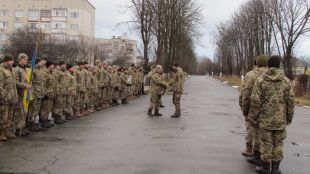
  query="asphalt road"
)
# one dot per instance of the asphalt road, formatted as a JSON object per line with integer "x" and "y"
{"x": 207, "y": 139}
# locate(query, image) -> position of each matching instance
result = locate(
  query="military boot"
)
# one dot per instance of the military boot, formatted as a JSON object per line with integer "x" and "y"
{"x": 162, "y": 106}
{"x": 77, "y": 114}
{"x": 256, "y": 159}
{"x": 34, "y": 127}
{"x": 58, "y": 120}
{"x": 2, "y": 136}
{"x": 176, "y": 115}
{"x": 264, "y": 168}
{"x": 248, "y": 152}
{"x": 68, "y": 116}
{"x": 149, "y": 112}
{"x": 157, "y": 114}
{"x": 275, "y": 167}
{"x": 45, "y": 124}
{"x": 8, "y": 133}
{"x": 22, "y": 132}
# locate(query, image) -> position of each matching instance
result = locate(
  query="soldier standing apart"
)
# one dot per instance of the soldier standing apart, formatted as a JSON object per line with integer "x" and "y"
{"x": 252, "y": 133}
{"x": 21, "y": 84}
{"x": 8, "y": 98}
{"x": 156, "y": 91}
{"x": 272, "y": 109}
{"x": 178, "y": 81}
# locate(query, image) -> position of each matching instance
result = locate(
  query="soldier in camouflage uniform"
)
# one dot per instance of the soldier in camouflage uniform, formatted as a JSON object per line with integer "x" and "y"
{"x": 116, "y": 86}
{"x": 124, "y": 85}
{"x": 105, "y": 82}
{"x": 99, "y": 74}
{"x": 81, "y": 90}
{"x": 71, "y": 92}
{"x": 38, "y": 94}
{"x": 110, "y": 86}
{"x": 87, "y": 74}
{"x": 21, "y": 84}
{"x": 50, "y": 90}
{"x": 252, "y": 133}
{"x": 8, "y": 98}
{"x": 93, "y": 90}
{"x": 178, "y": 81}
{"x": 156, "y": 91}
{"x": 272, "y": 109}
{"x": 61, "y": 92}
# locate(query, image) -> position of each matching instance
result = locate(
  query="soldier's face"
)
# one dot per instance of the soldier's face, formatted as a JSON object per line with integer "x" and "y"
{"x": 51, "y": 68}
{"x": 11, "y": 62}
{"x": 24, "y": 61}
{"x": 64, "y": 66}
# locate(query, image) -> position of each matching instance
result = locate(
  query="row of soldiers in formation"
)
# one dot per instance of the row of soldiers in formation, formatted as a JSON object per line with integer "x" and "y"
{"x": 60, "y": 92}
{"x": 267, "y": 102}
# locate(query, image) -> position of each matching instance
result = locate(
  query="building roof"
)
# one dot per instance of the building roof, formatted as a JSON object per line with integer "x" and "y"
{"x": 91, "y": 4}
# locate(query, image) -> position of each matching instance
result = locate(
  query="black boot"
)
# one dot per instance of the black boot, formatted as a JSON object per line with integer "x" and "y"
{"x": 157, "y": 114}
{"x": 162, "y": 106}
{"x": 275, "y": 167}
{"x": 22, "y": 132}
{"x": 58, "y": 120}
{"x": 264, "y": 168}
{"x": 124, "y": 101}
{"x": 45, "y": 124}
{"x": 256, "y": 159}
{"x": 149, "y": 112}
{"x": 176, "y": 115}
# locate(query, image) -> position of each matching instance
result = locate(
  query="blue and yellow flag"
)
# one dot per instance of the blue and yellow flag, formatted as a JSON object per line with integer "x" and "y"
{"x": 28, "y": 92}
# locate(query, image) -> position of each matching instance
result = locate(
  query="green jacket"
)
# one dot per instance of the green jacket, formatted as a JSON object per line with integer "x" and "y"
{"x": 272, "y": 101}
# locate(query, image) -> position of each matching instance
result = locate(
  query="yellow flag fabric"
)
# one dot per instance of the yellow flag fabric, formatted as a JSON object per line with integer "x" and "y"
{"x": 27, "y": 93}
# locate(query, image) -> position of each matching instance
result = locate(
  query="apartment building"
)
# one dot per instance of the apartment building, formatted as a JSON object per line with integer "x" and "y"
{"x": 118, "y": 47}
{"x": 63, "y": 19}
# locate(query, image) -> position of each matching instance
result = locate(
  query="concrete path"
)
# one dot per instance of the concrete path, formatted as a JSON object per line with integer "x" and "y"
{"x": 207, "y": 139}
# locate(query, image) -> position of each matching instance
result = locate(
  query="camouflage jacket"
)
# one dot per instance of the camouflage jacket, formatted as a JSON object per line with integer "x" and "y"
{"x": 71, "y": 84}
{"x": 178, "y": 81}
{"x": 157, "y": 84}
{"x": 94, "y": 83}
{"x": 21, "y": 73}
{"x": 8, "y": 91}
{"x": 38, "y": 85}
{"x": 272, "y": 101}
{"x": 50, "y": 84}
{"x": 80, "y": 80}
{"x": 61, "y": 82}
{"x": 247, "y": 87}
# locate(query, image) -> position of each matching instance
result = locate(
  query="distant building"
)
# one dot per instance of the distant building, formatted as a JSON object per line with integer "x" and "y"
{"x": 299, "y": 66}
{"x": 63, "y": 19}
{"x": 118, "y": 47}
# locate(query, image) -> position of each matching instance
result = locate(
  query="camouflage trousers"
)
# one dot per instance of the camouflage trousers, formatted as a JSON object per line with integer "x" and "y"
{"x": 46, "y": 109}
{"x": 124, "y": 93}
{"x": 34, "y": 109}
{"x": 87, "y": 99}
{"x": 98, "y": 97}
{"x": 58, "y": 107}
{"x": 177, "y": 101}
{"x": 19, "y": 115}
{"x": 103, "y": 98}
{"x": 69, "y": 103}
{"x": 6, "y": 115}
{"x": 155, "y": 101}
{"x": 248, "y": 133}
{"x": 272, "y": 144}
{"x": 78, "y": 101}
{"x": 115, "y": 94}
{"x": 92, "y": 99}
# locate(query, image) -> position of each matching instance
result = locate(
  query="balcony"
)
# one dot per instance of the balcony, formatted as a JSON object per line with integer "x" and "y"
{"x": 59, "y": 18}
{"x": 33, "y": 19}
{"x": 59, "y": 30}
{"x": 46, "y": 19}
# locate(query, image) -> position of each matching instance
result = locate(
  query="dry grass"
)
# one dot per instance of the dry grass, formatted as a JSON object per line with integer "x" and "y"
{"x": 303, "y": 101}
{"x": 232, "y": 80}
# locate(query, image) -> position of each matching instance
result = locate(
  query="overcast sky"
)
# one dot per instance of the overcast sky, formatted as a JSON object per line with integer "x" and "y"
{"x": 109, "y": 13}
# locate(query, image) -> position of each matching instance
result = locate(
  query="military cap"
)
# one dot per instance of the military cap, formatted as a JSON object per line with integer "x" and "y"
{"x": 7, "y": 58}
{"x": 69, "y": 66}
{"x": 49, "y": 63}
{"x": 38, "y": 60}
{"x": 22, "y": 56}
{"x": 61, "y": 63}
{"x": 274, "y": 62}
{"x": 262, "y": 60}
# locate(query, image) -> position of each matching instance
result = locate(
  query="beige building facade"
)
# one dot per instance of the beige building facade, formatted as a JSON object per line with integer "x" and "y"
{"x": 118, "y": 47}
{"x": 63, "y": 19}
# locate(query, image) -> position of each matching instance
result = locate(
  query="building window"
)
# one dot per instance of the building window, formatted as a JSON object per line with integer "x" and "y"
{"x": 60, "y": 12}
{"x": 3, "y": 37}
{"x": 34, "y": 13}
{"x": 46, "y": 13}
{"x": 74, "y": 15}
{"x": 61, "y": 25}
{"x": 18, "y": 25}
{"x": 33, "y": 25}
{"x": 4, "y": 13}
{"x": 45, "y": 25}
{"x": 74, "y": 27}
{"x": 4, "y": 24}
{"x": 19, "y": 14}
{"x": 59, "y": 36}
